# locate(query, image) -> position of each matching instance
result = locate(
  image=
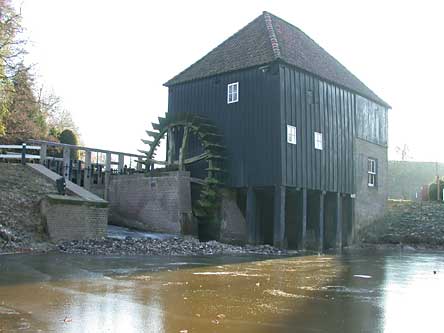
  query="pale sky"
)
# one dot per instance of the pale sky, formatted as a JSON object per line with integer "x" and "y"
{"x": 108, "y": 59}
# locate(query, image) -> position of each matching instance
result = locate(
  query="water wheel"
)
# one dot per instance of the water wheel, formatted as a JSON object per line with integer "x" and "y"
{"x": 212, "y": 153}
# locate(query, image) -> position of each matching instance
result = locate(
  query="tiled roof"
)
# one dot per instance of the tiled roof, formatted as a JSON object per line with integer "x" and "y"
{"x": 269, "y": 38}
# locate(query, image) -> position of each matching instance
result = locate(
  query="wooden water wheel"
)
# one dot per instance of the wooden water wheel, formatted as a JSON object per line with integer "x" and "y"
{"x": 212, "y": 152}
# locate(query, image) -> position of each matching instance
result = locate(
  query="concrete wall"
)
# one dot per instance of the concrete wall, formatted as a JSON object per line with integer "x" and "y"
{"x": 73, "y": 218}
{"x": 370, "y": 202}
{"x": 158, "y": 204}
{"x": 232, "y": 223}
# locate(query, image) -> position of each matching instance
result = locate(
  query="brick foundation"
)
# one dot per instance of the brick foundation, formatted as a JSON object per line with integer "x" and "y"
{"x": 73, "y": 218}
{"x": 157, "y": 204}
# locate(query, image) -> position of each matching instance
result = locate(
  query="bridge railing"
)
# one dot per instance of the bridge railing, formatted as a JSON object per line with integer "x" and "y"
{"x": 88, "y": 167}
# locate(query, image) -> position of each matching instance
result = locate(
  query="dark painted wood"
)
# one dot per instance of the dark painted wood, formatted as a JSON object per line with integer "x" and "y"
{"x": 313, "y": 105}
{"x": 255, "y": 128}
{"x": 338, "y": 221}
{"x": 279, "y": 217}
{"x": 304, "y": 221}
{"x": 251, "y": 215}
{"x": 321, "y": 222}
{"x": 251, "y": 128}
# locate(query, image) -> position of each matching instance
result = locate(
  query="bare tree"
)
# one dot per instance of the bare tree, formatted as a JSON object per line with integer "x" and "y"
{"x": 12, "y": 44}
{"x": 404, "y": 151}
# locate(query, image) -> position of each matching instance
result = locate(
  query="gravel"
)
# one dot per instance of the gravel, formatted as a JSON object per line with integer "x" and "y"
{"x": 177, "y": 246}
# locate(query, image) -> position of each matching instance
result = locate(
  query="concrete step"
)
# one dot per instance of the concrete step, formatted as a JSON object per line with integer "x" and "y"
{"x": 70, "y": 186}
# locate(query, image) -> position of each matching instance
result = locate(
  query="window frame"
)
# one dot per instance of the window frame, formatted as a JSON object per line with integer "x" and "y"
{"x": 372, "y": 172}
{"x": 291, "y": 134}
{"x": 231, "y": 94}
{"x": 318, "y": 141}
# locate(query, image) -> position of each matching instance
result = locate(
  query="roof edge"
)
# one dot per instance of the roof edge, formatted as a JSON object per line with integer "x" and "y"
{"x": 353, "y": 91}
{"x": 272, "y": 35}
{"x": 167, "y": 84}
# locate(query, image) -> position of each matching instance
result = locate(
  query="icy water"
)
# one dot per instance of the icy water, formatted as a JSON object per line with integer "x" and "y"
{"x": 366, "y": 292}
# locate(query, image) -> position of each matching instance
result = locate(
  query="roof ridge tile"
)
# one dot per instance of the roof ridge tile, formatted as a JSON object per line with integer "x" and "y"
{"x": 272, "y": 35}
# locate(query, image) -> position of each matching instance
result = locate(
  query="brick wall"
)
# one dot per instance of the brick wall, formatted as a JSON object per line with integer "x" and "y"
{"x": 370, "y": 202}
{"x": 158, "y": 204}
{"x": 73, "y": 218}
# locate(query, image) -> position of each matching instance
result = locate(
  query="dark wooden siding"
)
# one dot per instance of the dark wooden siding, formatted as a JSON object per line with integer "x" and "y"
{"x": 250, "y": 127}
{"x": 313, "y": 105}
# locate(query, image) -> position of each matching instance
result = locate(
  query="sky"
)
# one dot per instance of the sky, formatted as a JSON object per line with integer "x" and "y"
{"x": 108, "y": 59}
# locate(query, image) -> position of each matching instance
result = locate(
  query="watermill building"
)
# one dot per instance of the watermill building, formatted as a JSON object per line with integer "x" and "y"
{"x": 306, "y": 140}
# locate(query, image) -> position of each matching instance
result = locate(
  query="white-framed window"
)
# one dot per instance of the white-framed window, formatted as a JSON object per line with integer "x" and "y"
{"x": 318, "y": 140}
{"x": 291, "y": 134}
{"x": 371, "y": 172}
{"x": 233, "y": 92}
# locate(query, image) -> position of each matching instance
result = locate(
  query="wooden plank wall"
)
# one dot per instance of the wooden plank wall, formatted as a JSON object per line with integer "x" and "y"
{"x": 250, "y": 127}
{"x": 313, "y": 105}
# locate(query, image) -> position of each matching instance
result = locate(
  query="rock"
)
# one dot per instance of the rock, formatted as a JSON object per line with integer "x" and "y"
{"x": 175, "y": 246}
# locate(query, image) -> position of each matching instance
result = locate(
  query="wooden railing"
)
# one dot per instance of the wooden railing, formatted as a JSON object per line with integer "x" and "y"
{"x": 91, "y": 168}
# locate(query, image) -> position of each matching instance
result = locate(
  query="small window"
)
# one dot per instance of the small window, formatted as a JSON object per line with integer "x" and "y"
{"x": 291, "y": 134}
{"x": 318, "y": 140}
{"x": 233, "y": 93}
{"x": 371, "y": 172}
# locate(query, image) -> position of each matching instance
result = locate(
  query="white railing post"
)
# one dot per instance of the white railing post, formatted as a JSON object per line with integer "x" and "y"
{"x": 121, "y": 163}
{"x": 107, "y": 174}
{"x": 43, "y": 153}
{"x": 23, "y": 153}
{"x": 139, "y": 164}
{"x": 87, "y": 170}
{"x": 66, "y": 162}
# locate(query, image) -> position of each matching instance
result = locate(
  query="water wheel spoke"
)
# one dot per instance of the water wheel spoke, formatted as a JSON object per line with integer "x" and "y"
{"x": 180, "y": 126}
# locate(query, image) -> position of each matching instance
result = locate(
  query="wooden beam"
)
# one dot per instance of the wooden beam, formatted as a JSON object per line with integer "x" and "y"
{"x": 87, "y": 171}
{"x": 338, "y": 219}
{"x": 321, "y": 222}
{"x": 107, "y": 174}
{"x": 183, "y": 148}
{"x": 170, "y": 147}
{"x": 251, "y": 215}
{"x": 66, "y": 162}
{"x": 303, "y": 239}
{"x": 58, "y": 144}
{"x": 279, "y": 216}
{"x": 43, "y": 150}
{"x": 197, "y": 158}
{"x": 121, "y": 163}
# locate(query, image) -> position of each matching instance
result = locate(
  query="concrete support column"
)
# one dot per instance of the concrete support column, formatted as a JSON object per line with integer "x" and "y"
{"x": 251, "y": 216}
{"x": 338, "y": 219}
{"x": 43, "y": 153}
{"x": 321, "y": 222}
{"x": 66, "y": 162}
{"x": 107, "y": 174}
{"x": 121, "y": 162}
{"x": 303, "y": 239}
{"x": 87, "y": 171}
{"x": 279, "y": 217}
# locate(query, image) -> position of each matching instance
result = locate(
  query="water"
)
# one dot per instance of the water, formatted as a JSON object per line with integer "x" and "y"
{"x": 366, "y": 292}
{"x": 118, "y": 232}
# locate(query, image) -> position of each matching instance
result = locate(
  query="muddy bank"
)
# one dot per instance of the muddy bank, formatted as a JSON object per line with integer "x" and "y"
{"x": 416, "y": 224}
{"x": 21, "y": 191}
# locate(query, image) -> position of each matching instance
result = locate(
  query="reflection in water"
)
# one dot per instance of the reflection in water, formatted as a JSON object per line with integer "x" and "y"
{"x": 414, "y": 295}
{"x": 354, "y": 293}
